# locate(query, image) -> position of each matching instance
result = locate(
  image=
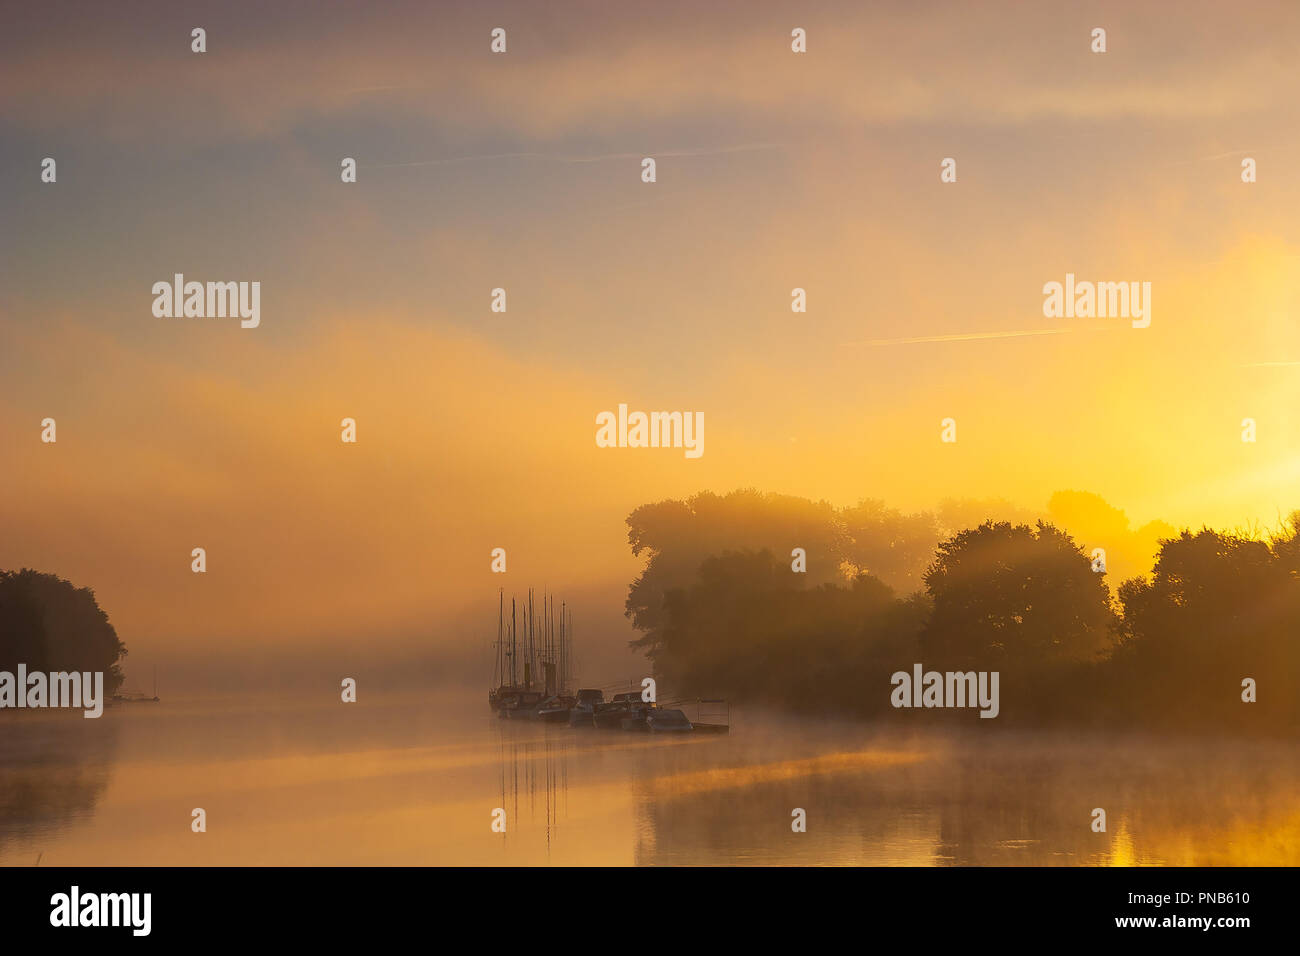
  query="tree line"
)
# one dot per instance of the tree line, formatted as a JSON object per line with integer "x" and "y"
{"x": 51, "y": 625}
{"x": 722, "y": 611}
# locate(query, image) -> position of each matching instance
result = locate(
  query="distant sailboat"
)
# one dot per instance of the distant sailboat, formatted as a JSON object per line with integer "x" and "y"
{"x": 547, "y": 650}
{"x": 505, "y": 692}
{"x": 542, "y": 644}
{"x": 136, "y": 697}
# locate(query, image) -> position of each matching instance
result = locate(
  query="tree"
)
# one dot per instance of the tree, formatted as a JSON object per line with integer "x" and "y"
{"x": 888, "y": 544}
{"x": 746, "y": 629}
{"x": 679, "y": 535}
{"x": 49, "y": 624}
{"x": 1218, "y": 608}
{"x": 1016, "y": 597}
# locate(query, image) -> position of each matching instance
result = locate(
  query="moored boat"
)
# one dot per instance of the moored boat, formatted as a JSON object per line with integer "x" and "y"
{"x": 555, "y": 710}
{"x": 667, "y": 721}
{"x": 581, "y": 713}
{"x": 533, "y": 662}
{"x": 534, "y": 671}
{"x": 610, "y": 715}
{"x": 497, "y": 698}
{"x": 523, "y": 705}
{"x": 635, "y": 721}
{"x": 135, "y": 696}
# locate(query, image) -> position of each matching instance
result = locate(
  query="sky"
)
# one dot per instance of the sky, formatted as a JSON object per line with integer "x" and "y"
{"x": 522, "y": 170}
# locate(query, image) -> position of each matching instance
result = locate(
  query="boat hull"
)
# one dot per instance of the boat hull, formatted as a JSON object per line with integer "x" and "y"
{"x": 609, "y": 719}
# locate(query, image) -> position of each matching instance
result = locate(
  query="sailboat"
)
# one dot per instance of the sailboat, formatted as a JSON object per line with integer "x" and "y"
{"x": 136, "y": 697}
{"x": 540, "y": 642}
{"x": 505, "y": 691}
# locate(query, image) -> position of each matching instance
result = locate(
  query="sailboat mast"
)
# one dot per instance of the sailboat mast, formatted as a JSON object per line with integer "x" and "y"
{"x": 549, "y": 643}
{"x": 498, "y": 672}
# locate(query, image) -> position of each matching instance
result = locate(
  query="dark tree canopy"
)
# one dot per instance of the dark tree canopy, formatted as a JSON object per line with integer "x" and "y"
{"x": 748, "y": 629}
{"x": 840, "y": 544}
{"x": 49, "y": 624}
{"x": 1217, "y": 608}
{"x": 679, "y": 535}
{"x": 1011, "y": 595}
{"x": 723, "y": 612}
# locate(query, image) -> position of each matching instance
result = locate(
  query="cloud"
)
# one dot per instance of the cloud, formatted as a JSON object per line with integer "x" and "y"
{"x": 131, "y": 77}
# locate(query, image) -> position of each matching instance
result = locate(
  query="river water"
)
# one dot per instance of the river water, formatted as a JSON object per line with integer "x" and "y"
{"x": 417, "y": 780}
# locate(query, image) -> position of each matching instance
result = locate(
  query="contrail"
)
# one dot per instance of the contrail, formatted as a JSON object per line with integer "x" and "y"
{"x": 1206, "y": 159}
{"x": 961, "y": 337}
{"x": 1235, "y": 152}
{"x": 1268, "y": 364}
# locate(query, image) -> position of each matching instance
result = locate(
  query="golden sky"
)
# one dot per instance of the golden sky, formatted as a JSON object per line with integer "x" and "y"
{"x": 522, "y": 171}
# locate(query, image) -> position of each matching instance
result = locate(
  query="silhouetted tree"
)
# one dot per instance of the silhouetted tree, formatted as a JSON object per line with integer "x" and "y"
{"x": 888, "y": 544}
{"x": 679, "y": 535}
{"x": 1014, "y": 596}
{"x": 723, "y": 613}
{"x": 49, "y": 624}
{"x": 1217, "y": 608}
{"x": 747, "y": 630}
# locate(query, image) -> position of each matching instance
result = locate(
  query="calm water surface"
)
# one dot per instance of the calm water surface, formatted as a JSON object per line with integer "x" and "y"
{"x": 407, "y": 780}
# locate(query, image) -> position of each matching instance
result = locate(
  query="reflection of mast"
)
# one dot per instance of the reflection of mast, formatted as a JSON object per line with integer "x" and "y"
{"x": 532, "y": 657}
{"x": 544, "y": 775}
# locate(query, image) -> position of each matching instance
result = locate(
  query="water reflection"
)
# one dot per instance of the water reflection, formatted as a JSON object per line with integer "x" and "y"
{"x": 54, "y": 767}
{"x": 539, "y": 768}
{"x": 404, "y": 782}
{"x": 983, "y": 800}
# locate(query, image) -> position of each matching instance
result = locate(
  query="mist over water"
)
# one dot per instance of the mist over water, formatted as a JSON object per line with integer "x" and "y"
{"x": 413, "y": 778}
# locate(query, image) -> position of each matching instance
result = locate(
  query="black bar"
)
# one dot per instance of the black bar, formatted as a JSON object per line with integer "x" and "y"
{"x": 662, "y": 909}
